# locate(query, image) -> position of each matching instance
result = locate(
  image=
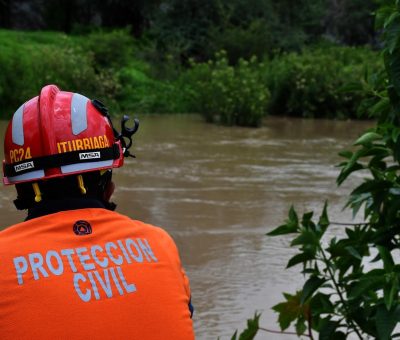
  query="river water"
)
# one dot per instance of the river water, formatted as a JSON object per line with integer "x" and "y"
{"x": 217, "y": 191}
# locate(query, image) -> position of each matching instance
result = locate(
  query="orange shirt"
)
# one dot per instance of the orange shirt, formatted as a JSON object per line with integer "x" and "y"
{"x": 91, "y": 274}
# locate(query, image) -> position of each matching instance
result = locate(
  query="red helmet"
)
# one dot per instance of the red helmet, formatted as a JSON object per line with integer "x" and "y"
{"x": 59, "y": 133}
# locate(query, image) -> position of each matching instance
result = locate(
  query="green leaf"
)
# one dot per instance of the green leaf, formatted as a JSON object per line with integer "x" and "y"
{"x": 351, "y": 87}
{"x": 346, "y": 154}
{"x": 321, "y": 304}
{"x": 380, "y": 106}
{"x": 386, "y": 257}
{"x": 395, "y": 134}
{"x": 386, "y": 321}
{"x": 293, "y": 216}
{"x": 311, "y": 285}
{"x": 307, "y": 237}
{"x": 327, "y": 329}
{"x": 289, "y": 310}
{"x": 390, "y": 291}
{"x": 300, "y": 326}
{"x": 306, "y": 219}
{"x": 382, "y": 14}
{"x": 234, "y": 336}
{"x": 367, "y": 283}
{"x": 394, "y": 67}
{"x": 392, "y": 35}
{"x": 291, "y": 226}
{"x": 252, "y": 328}
{"x": 324, "y": 220}
{"x": 347, "y": 170}
{"x": 352, "y": 251}
{"x": 300, "y": 258}
{"x": 391, "y": 18}
{"x": 367, "y": 138}
{"x": 283, "y": 230}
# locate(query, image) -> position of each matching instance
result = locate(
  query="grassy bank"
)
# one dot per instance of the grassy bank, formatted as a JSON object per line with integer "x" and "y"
{"x": 112, "y": 67}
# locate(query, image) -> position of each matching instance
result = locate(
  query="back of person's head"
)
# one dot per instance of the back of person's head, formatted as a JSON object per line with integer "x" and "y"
{"x": 95, "y": 185}
{"x": 62, "y": 145}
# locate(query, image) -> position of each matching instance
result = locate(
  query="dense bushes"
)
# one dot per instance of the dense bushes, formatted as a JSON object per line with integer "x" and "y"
{"x": 226, "y": 94}
{"x": 307, "y": 84}
{"x": 108, "y": 66}
{"x": 311, "y": 84}
{"x": 28, "y": 61}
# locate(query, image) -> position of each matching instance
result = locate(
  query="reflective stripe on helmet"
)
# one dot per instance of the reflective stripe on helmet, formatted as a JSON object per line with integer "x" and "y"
{"x": 37, "y": 174}
{"x": 18, "y": 126}
{"x": 104, "y": 158}
{"x": 66, "y": 169}
{"x": 78, "y": 113}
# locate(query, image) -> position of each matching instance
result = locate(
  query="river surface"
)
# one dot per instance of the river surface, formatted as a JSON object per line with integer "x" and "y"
{"x": 217, "y": 191}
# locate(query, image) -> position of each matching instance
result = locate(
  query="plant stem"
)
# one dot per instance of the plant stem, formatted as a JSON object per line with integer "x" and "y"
{"x": 281, "y": 332}
{"x": 349, "y": 224}
{"x": 332, "y": 276}
{"x": 309, "y": 321}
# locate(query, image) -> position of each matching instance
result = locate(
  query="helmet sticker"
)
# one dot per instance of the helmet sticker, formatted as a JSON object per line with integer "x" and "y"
{"x": 89, "y": 155}
{"x": 96, "y": 142}
{"x": 24, "y": 166}
{"x": 18, "y": 155}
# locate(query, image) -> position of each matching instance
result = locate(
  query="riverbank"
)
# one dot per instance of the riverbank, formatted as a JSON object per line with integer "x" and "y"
{"x": 111, "y": 66}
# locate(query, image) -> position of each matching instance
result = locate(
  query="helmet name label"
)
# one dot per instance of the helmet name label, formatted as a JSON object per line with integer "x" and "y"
{"x": 24, "y": 166}
{"x": 89, "y": 155}
{"x": 18, "y": 155}
{"x": 97, "y": 142}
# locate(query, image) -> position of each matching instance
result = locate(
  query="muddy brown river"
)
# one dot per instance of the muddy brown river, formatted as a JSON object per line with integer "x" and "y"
{"x": 217, "y": 191}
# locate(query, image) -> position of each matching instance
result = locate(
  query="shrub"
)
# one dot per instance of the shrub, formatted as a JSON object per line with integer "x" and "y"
{"x": 29, "y": 61}
{"x": 226, "y": 94}
{"x": 310, "y": 84}
{"x": 142, "y": 93}
{"x": 110, "y": 49}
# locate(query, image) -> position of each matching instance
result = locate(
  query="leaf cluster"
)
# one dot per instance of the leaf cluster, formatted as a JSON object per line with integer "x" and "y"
{"x": 352, "y": 284}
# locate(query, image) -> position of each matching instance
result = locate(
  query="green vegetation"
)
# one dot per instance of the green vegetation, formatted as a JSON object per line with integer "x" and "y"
{"x": 226, "y": 94}
{"x": 111, "y": 66}
{"x": 234, "y": 61}
{"x": 353, "y": 279}
{"x": 311, "y": 84}
{"x": 30, "y": 60}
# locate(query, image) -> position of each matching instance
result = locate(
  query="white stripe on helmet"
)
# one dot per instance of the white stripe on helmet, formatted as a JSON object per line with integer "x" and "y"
{"x": 18, "y": 126}
{"x": 65, "y": 169}
{"x": 78, "y": 113}
{"x": 27, "y": 176}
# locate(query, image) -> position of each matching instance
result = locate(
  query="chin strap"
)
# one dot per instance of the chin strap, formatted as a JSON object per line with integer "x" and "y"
{"x": 81, "y": 185}
{"x": 38, "y": 194}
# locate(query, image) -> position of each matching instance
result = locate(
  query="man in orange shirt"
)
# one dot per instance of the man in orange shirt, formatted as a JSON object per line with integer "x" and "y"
{"x": 75, "y": 269}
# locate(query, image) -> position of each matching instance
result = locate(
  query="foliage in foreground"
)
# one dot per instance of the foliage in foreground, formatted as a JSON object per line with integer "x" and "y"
{"x": 352, "y": 280}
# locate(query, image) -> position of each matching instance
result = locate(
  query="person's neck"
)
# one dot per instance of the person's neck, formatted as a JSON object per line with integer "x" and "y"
{"x": 53, "y": 206}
